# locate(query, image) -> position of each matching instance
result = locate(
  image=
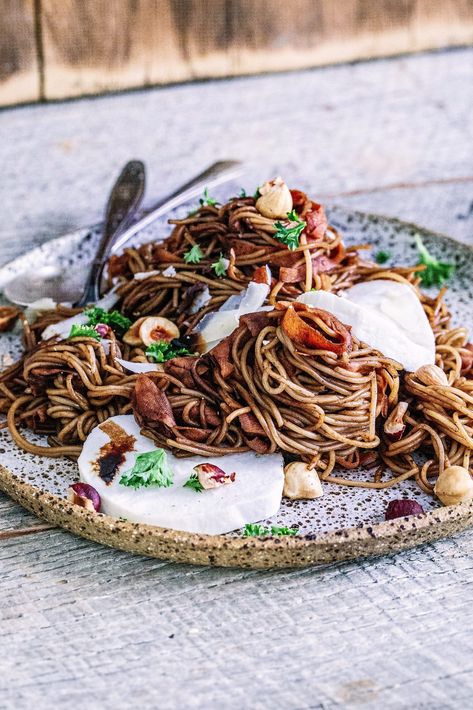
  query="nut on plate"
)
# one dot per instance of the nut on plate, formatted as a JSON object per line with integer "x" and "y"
{"x": 276, "y": 199}
{"x": 85, "y": 495}
{"x": 394, "y": 425}
{"x": 301, "y": 482}
{"x": 8, "y": 315}
{"x": 132, "y": 335}
{"x": 431, "y": 375}
{"x": 155, "y": 329}
{"x": 454, "y": 485}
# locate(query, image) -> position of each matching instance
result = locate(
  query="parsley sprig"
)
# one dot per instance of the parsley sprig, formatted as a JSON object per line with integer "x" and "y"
{"x": 257, "y": 530}
{"x": 194, "y": 255}
{"x": 289, "y": 234}
{"x": 436, "y": 272}
{"x": 150, "y": 469}
{"x": 163, "y": 351}
{"x": 194, "y": 483}
{"x": 207, "y": 200}
{"x": 382, "y": 257}
{"x": 220, "y": 266}
{"x": 83, "y": 331}
{"x": 114, "y": 319}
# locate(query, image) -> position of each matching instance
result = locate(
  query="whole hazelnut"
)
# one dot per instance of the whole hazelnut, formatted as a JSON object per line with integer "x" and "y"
{"x": 301, "y": 482}
{"x": 454, "y": 485}
{"x": 431, "y": 375}
{"x": 276, "y": 199}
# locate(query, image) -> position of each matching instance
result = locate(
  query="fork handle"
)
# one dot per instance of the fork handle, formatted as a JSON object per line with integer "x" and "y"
{"x": 124, "y": 200}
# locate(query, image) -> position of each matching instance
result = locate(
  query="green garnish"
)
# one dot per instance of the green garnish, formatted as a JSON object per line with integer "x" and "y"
{"x": 436, "y": 272}
{"x": 194, "y": 255}
{"x": 194, "y": 483}
{"x": 163, "y": 351}
{"x": 242, "y": 192}
{"x": 220, "y": 266}
{"x": 257, "y": 530}
{"x": 257, "y": 193}
{"x": 150, "y": 469}
{"x": 289, "y": 234}
{"x": 382, "y": 257}
{"x": 114, "y": 319}
{"x": 83, "y": 331}
{"x": 207, "y": 200}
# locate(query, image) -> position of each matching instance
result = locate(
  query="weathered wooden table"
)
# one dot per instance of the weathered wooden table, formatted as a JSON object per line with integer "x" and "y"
{"x": 85, "y": 626}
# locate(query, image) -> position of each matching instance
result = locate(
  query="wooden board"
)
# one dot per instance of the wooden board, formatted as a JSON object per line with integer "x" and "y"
{"x": 19, "y": 66}
{"x": 92, "y": 46}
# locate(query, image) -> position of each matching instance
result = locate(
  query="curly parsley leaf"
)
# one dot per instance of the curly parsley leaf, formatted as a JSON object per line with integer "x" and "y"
{"x": 194, "y": 483}
{"x": 289, "y": 234}
{"x": 150, "y": 469}
{"x": 435, "y": 272}
{"x": 257, "y": 530}
{"x": 194, "y": 255}
{"x": 207, "y": 200}
{"x": 242, "y": 192}
{"x": 382, "y": 257}
{"x": 220, "y": 266}
{"x": 257, "y": 194}
{"x": 163, "y": 351}
{"x": 114, "y": 319}
{"x": 83, "y": 331}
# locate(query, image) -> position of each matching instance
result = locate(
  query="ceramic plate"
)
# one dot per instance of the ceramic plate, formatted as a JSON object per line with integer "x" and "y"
{"x": 345, "y": 523}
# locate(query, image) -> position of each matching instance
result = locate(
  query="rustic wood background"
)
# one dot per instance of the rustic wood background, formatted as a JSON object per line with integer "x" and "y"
{"x": 53, "y": 49}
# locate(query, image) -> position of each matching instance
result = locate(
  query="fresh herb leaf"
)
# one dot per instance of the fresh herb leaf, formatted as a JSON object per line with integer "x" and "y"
{"x": 83, "y": 331}
{"x": 257, "y": 530}
{"x": 220, "y": 266}
{"x": 114, "y": 319}
{"x": 289, "y": 234}
{"x": 275, "y": 530}
{"x": 163, "y": 351}
{"x": 194, "y": 255}
{"x": 257, "y": 193}
{"x": 194, "y": 483}
{"x": 150, "y": 469}
{"x": 207, "y": 200}
{"x": 382, "y": 257}
{"x": 242, "y": 192}
{"x": 436, "y": 272}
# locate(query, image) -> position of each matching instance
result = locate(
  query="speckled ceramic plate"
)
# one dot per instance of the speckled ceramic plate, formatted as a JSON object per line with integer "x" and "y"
{"x": 345, "y": 523}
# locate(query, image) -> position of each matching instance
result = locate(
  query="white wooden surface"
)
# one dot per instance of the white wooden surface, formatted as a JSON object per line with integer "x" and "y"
{"x": 84, "y": 626}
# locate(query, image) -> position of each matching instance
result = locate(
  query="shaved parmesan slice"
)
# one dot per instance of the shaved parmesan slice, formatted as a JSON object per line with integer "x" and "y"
{"x": 200, "y": 300}
{"x": 254, "y": 495}
{"x": 141, "y": 275}
{"x": 63, "y": 327}
{"x": 139, "y": 367}
{"x": 169, "y": 271}
{"x": 215, "y": 326}
{"x": 385, "y": 315}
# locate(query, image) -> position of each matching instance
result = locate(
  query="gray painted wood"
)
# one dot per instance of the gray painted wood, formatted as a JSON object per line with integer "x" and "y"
{"x": 85, "y": 626}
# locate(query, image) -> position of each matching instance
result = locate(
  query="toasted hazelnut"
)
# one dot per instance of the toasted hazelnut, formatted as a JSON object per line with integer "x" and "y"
{"x": 431, "y": 375}
{"x": 394, "y": 426}
{"x": 301, "y": 482}
{"x": 132, "y": 335}
{"x": 85, "y": 496}
{"x": 155, "y": 329}
{"x": 276, "y": 200}
{"x": 454, "y": 485}
{"x": 211, "y": 476}
{"x": 8, "y": 315}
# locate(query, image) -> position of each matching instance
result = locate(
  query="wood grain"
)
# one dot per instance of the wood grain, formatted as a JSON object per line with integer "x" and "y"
{"x": 19, "y": 67}
{"x": 91, "y": 46}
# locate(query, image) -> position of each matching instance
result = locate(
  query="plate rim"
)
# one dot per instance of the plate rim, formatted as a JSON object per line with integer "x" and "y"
{"x": 367, "y": 539}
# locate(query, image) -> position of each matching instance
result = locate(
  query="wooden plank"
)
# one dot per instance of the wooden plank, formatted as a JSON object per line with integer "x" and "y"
{"x": 92, "y": 46}
{"x": 19, "y": 70}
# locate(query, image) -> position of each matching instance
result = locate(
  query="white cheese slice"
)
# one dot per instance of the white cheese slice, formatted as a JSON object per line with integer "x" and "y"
{"x": 254, "y": 495}
{"x": 386, "y": 315}
{"x": 215, "y": 326}
{"x": 139, "y": 367}
{"x": 63, "y": 327}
